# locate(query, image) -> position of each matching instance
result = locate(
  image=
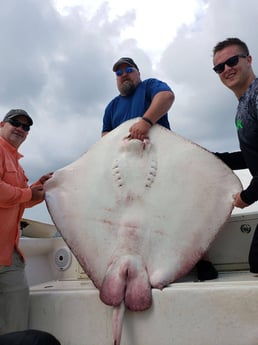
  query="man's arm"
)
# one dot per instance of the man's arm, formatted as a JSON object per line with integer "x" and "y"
{"x": 233, "y": 160}
{"x": 159, "y": 106}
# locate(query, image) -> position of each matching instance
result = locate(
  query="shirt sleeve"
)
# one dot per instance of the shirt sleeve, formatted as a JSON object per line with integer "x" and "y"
{"x": 10, "y": 194}
{"x": 155, "y": 86}
{"x": 107, "y": 118}
{"x": 234, "y": 160}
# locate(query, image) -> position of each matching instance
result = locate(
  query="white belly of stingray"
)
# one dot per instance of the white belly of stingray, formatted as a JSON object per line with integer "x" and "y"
{"x": 140, "y": 215}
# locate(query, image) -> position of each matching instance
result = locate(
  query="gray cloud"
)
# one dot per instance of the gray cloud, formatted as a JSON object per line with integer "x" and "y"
{"x": 59, "y": 68}
{"x": 204, "y": 110}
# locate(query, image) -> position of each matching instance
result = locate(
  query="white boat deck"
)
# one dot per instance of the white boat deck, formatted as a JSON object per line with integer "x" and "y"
{"x": 219, "y": 312}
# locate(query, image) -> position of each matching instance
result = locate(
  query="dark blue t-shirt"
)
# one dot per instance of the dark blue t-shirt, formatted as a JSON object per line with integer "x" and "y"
{"x": 123, "y": 108}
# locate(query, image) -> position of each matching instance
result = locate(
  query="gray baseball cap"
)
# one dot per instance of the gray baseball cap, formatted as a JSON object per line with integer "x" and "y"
{"x": 17, "y": 112}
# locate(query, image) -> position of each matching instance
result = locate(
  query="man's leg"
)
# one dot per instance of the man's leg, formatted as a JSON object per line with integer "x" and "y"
{"x": 14, "y": 297}
{"x": 253, "y": 253}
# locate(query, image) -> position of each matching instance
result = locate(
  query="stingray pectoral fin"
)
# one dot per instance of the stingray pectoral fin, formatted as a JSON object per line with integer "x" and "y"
{"x": 127, "y": 280}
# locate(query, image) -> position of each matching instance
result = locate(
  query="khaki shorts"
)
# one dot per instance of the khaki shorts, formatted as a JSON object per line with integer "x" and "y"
{"x": 14, "y": 296}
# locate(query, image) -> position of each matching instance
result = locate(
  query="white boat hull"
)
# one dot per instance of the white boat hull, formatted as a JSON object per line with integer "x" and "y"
{"x": 223, "y": 312}
{"x": 218, "y": 312}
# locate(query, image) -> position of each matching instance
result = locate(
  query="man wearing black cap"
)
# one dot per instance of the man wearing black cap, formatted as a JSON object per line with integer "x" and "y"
{"x": 15, "y": 196}
{"x": 149, "y": 99}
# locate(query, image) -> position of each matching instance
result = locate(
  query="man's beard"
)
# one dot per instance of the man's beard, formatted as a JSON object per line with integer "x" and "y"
{"x": 127, "y": 88}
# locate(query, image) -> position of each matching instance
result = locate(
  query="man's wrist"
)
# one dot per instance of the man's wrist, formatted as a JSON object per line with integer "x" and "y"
{"x": 147, "y": 120}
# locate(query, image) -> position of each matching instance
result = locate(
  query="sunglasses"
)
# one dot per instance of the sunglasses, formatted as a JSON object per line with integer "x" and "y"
{"x": 231, "y": 62}
{"x": 16, "y": 123}
{"x": 127, "y": 70}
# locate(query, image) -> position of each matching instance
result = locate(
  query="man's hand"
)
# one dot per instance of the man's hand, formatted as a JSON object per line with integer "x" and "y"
{"x": 238, "y": 202}
{"x": 46, "y": 177}
{"x": 140, "y": 130}
{"x": 37, "y": 193}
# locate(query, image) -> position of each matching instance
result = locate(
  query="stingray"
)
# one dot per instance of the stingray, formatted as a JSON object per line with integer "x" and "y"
{"x": 139, "y": 214}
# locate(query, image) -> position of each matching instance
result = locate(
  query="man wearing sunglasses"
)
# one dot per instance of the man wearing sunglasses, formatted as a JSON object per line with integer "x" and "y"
{"x": 149, "y": 99}
{"x": 15, "y": 196}
{"x": 233, "y": 64}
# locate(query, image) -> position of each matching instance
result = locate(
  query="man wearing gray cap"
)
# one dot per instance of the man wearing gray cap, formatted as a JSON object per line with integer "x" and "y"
{"x": 15, "y": 196}
{"x": 149, "y": 99}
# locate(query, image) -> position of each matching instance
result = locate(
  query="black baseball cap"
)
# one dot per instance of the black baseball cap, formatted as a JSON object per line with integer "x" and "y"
{"x": 17, "y": 112}
{"x": 126, "y": 60}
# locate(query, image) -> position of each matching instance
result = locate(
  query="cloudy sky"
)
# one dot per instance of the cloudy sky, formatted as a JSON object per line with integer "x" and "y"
{"x": 57, "y": 56}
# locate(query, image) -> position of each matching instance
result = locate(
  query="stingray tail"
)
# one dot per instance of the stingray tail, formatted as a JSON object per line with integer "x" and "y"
{"x": 117, "y": 323}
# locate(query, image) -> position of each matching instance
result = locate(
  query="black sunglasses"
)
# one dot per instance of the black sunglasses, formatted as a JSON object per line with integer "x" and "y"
{"x": 16, "y": 123}
{"x": 231, "y": 62}
{"x": 120, "y": 72}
